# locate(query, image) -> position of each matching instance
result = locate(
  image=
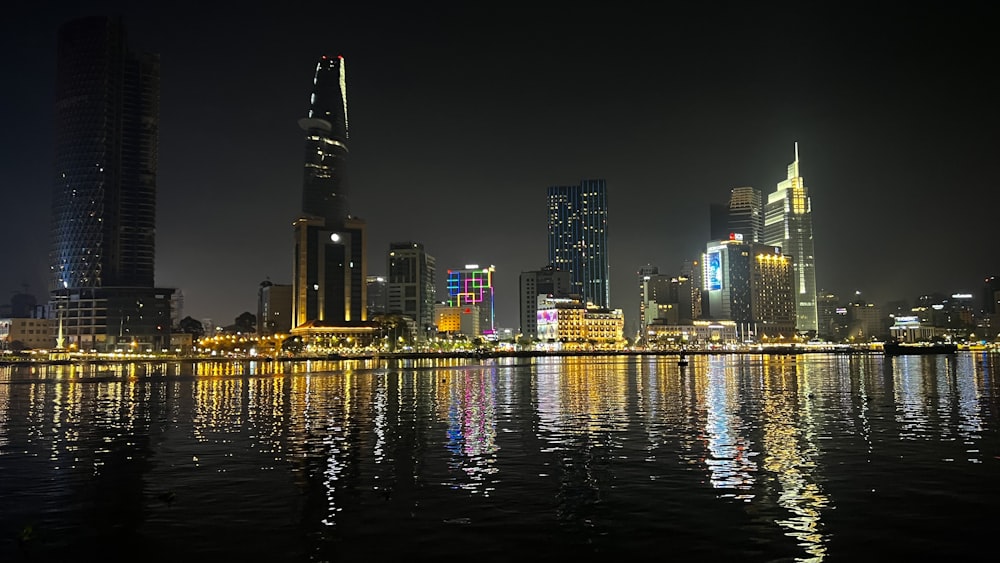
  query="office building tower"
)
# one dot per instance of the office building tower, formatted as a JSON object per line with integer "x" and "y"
{"x": 578, "y": 238}
{"x": 694, "y": 271}
{"x": 102, "y": 257}
{"x": 274, "y": 307}
{"x": 376, "y": 295}
{"x": 743, "y": 215}
{"x": 546, "y": 282}
{"x": 330, "y": 280}
{"x": 750, "y": 284}
{"x": 830, "y": 316}
{"x": 473, "y": 286}
{"x": 410, "y": 285}
{"x": 645, "y": 275}
{"x": 788, "y": 224}
{"x": 746, "y": 213}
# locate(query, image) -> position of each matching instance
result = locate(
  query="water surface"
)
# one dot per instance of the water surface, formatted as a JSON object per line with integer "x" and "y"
{"x": 812, "y": 457}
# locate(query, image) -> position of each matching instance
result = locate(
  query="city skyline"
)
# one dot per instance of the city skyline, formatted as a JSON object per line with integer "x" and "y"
{"x": 448, "y": 152}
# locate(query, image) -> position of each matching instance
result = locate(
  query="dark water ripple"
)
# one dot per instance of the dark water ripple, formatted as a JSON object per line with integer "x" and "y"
{"x": 766, "y": 458}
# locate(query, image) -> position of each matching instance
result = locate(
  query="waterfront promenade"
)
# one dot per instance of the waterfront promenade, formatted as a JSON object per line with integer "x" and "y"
{"x": 795, "y": 349}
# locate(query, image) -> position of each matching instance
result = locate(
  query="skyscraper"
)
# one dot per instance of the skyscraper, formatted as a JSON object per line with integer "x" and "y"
{"x": 102, "y": 258}
{"x": 746, "y": 213}
{"x": 743, "y": 215}
{"x": 330, "y": 244}
{"x": 578, "y": 238}
{"x": 788, "y": 224}
{"x": 410, "y": 289}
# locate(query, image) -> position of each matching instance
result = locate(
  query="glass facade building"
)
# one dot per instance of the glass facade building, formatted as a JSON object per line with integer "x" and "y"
{"x": 102, "y": 254}
{"x": 330, "y": 273}
{"x": 578, "y": 238}
{"x": 788, "y": 224}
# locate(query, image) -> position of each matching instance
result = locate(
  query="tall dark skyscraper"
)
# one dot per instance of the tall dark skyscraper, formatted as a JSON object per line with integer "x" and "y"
{"x": 743, "y": 215}
{"x": 330, "y": 279}
{"x": 578, "y": 238}
{"x": 102, "y": 257}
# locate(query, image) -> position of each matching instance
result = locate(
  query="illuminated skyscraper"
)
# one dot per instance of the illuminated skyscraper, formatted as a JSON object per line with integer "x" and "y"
{"x": 102, "y": 257}
{"x": 578, "y": 238}
{"x": 330, "y": 244}
{"x": 474, "y": 286}
{"x": 788, "y": 224}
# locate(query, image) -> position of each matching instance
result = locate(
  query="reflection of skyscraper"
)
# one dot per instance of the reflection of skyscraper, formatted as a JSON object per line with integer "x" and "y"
{"x": 330, "y": 269}
{"x": 104, "y": 198}
{"x": 788, "y": 224}
{"x": 578, "y": 238}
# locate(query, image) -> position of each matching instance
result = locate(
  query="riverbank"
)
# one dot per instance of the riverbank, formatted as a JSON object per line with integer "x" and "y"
{"x": 456, "y": 354}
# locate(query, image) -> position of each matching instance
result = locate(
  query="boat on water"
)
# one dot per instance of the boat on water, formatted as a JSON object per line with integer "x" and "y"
{"x": 907, "y": 348}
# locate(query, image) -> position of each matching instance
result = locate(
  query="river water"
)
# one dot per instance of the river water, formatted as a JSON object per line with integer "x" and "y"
{"x": 812, "y": 457}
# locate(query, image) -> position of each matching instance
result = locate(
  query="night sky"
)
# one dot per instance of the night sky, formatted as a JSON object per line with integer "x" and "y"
{"x": 461, "y": 115}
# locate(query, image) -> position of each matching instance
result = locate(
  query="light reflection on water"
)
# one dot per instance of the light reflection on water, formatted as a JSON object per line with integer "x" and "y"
{"x": 801, "y": 458}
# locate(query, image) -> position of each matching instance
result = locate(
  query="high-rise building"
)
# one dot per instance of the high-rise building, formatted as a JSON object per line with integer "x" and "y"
{"x": 746, "y": 213}
{"x": 751, "y": 284}
{"x": 788, "y": 224}
{"x": 410, "y": 289}
{"x": 274, "y": 307}
{"x": 549, "y": 282}
{"x": 645, "y": 275}
{"x": 330, "y": 281}
{"x": 376, "y": 295}
{"x": 743, "y": 215}
{"x": 473, "y": 285}
{"x": 102, "y": 258}
{"x": 694, "y": 271}
{"x": 578, "y": 238}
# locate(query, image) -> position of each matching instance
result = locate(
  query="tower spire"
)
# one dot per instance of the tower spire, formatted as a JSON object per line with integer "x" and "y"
{"x": 796, "y": 151}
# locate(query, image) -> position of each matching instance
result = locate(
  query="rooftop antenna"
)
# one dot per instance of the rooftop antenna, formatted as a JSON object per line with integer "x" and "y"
{"x": 796, "y": 151}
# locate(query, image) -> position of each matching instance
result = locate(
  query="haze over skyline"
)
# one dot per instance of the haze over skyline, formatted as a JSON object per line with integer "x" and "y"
{"x": 461, "y": 119}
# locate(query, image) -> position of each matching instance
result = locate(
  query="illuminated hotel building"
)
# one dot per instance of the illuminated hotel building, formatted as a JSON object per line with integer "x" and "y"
{"x": 103, "y": 223}
{"x": 568, "y": 323}
{"x": 578, "y": 238}
{"x": 788, "y": 224}
{"x": 473, "y": 286}
{"x": 457, "y": 320}
{"x": 750, "y": 284}
{"x": 329, "y": 277}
